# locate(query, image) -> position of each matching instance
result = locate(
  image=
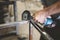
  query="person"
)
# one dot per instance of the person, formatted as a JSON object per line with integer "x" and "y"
{"x": 41, "y": 15}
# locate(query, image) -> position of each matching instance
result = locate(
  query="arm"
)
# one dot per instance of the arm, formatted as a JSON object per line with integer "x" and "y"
{"x": 41, "y": 15}
{"x": 53, "y": 9}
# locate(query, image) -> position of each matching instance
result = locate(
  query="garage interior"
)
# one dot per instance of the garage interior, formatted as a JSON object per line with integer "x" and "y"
{"x": 15, "y": 27}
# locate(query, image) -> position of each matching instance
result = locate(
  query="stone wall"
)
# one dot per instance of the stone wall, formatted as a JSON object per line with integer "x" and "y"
{"x": 32, "y": 6}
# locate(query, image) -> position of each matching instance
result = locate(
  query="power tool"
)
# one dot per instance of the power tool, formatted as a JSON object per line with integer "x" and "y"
{"x": 48, "y": 21}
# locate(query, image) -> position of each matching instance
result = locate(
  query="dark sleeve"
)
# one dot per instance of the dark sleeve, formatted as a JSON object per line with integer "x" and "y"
{"x": 58, "y": 0}
{"x": 48, "y": 2}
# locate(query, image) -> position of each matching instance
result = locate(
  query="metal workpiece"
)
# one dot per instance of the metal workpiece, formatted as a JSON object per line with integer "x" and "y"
{"x": 12, "y": 24}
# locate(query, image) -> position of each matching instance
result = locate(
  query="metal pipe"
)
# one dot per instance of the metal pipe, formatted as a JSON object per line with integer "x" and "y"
{"x": 15, "y": 12}
{"x": 12, "y": 24}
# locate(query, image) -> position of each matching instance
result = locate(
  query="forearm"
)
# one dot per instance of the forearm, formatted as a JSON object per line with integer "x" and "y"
{"x": 53, "y": 9}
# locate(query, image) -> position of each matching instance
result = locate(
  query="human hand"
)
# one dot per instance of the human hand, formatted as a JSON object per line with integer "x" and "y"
{"x": 40, "y": 16}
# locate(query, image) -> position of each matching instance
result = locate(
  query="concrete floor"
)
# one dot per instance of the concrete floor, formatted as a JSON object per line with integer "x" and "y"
{"x": 14, "y": 37}
{"x": 6, "y": 31}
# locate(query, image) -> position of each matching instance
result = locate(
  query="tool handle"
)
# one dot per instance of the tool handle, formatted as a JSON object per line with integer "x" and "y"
{"x": 43, "y": 33}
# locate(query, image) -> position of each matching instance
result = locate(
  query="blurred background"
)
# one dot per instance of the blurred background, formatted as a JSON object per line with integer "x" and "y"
{"x": 14, "y": 15}
{"x": 11, "y": 11}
